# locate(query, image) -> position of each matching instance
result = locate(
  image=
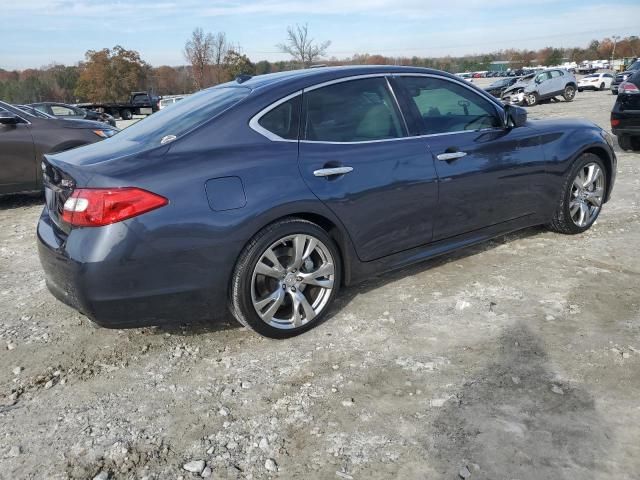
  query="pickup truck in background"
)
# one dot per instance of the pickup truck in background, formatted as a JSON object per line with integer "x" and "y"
{"x": 140, "y": 103}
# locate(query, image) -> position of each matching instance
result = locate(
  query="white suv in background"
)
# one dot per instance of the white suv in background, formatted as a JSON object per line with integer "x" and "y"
{"x": 544, "y": 85}
{"x": 169, "y": 100}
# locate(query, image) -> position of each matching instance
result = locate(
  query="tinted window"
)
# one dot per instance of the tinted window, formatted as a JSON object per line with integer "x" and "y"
{"x": 283, "y": 120}
{"x": 446, "y": 106}
{"x": 185, "y": 115}
{"x": 353, "y": 111}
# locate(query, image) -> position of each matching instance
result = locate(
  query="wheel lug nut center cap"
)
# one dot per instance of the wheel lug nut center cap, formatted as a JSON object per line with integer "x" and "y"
{"x": 290, "y": 279}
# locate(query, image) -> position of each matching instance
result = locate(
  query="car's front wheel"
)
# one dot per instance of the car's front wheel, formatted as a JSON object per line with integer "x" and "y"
{"x": 285, "y": 279}
{"x": 532, "y": 99}
{"x": 569, "y": 93}
{"x": 582, "y": 196}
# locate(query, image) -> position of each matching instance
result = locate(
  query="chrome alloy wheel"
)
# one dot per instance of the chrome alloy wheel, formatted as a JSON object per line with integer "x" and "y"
{"x": 292, "y": 281}
{"x": 587, "y": 193}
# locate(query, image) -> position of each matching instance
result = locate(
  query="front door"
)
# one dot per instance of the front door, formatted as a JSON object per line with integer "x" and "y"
{"x": 355, "y": 156}
{"x": 17, "y": 158}
{"x": 487, "y": 174}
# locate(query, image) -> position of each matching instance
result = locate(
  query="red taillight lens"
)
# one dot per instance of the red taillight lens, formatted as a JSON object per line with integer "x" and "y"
{"x": 615, "y": 122}
{"x": 95, "y": 207}
{"x": 627, "y": 87}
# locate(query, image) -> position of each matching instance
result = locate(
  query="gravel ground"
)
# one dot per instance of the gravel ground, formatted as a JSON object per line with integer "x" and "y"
{"x": 517, "y": 359}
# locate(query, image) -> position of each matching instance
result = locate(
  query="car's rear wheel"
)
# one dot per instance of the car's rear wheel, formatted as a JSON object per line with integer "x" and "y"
{"x": 126, "y": 114}
{"x": 532, "y": 99}
{"x": 569, "y": 93}
{"x": 286, "y": 279}
{"x": 582, "y": 196}
{"x": 602, "y": 86}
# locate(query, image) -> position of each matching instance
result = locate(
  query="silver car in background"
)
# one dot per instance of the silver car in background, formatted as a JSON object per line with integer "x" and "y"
{"x": 543, "y": 85}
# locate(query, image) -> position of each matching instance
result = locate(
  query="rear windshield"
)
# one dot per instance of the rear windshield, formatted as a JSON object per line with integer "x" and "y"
{"x": 185, "y": 115}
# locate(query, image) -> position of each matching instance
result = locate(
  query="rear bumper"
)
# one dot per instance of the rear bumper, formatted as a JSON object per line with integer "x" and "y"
{"x": 125, "y": 293}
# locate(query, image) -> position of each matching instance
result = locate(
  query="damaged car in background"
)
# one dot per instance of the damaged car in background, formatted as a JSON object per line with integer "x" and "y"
{"x": 546, "y": 85}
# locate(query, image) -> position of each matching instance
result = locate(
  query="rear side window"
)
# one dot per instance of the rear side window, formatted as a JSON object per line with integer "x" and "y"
{"x": 352, "y": 111}
{"x": 283, "y": 120}
{"x": 556, "y": 73}
{"x": 446, "y": 106}
{"x": 186, "y": 115}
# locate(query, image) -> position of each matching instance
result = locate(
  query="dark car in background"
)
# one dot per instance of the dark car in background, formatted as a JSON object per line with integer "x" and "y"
{"x": 139, "y": 103}
{"x": 64, "y": 111}
{"x": 623, "y": 76}
{"x": 498, "y": 87}
{"x": 625, "y": 116}
{"x": 25, "y": 137}
{"x": 268, "y": 194}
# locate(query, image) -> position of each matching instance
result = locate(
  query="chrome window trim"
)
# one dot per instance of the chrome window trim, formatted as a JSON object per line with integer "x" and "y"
{"x": 255, "y": 125}
{"x": 395, "y": 99}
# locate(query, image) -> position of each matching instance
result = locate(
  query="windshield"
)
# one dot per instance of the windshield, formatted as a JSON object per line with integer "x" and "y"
{"x": 33, "y": 112}
{"x": 185, "y": 115}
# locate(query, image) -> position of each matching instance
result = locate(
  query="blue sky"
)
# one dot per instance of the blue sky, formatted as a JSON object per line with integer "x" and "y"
{"x": 39, "y": 32}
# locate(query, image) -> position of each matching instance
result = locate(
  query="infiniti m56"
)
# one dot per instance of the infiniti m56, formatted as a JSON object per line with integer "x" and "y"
{"x": 267, "y": 194}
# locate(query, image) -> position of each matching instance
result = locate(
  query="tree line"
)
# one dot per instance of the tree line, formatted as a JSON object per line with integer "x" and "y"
{"x": 111, "y": 74}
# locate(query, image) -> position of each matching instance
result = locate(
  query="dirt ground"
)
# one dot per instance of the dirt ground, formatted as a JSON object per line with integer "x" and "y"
{"x": 517, "y": 359}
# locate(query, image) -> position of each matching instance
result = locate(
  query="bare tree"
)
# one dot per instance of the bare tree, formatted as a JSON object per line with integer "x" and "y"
{"x": 220, "y": 48}
{"x": 301, "y": 47}
{"x": 199, "y": 52}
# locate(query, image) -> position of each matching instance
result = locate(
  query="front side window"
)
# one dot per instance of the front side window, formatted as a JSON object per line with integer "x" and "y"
{"x": 352, "y": 111}
{"x": 541, "y": 77}
{"x": 445, "y": 106}
{"x": 60, "y": 111}
{"x": 284, "y": 119}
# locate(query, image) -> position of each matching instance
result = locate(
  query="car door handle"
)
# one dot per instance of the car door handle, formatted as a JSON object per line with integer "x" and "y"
{"x": 328, "y": 172}
{"x": 448, "y": 156}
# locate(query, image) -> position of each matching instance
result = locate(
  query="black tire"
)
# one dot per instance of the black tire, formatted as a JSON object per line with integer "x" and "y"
{"x": 614, "y": 92}
{"x": 569, "y": 93}
{"x": 629, "y": 143}
{"x": 625, "y": 142}
{"x": 561, "y": 221}
{"x": 602, "y": 86}
{"x": 240, "y": 302}
{"x": 532, "y": 99}
{"x": 125, "y": 114}
{"x": 580, "y": 89}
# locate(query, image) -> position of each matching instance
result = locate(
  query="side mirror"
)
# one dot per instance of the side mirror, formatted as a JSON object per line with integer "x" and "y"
{"x": 514, "y": 116}
{"x": 8, "y": 118}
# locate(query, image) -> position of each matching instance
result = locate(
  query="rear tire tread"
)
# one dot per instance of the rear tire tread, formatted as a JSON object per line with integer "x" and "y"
{"x": 244, "y": 263}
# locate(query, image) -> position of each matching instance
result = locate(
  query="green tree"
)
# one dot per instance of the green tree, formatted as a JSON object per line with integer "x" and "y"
{"x": 238, "y": 64}
{"x": 111, "y": 75}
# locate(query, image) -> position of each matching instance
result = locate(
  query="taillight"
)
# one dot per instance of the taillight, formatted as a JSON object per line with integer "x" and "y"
{"x": 615, "y": 122}
{"x": 628, "y": 87}
{"x": 96, "y": 207}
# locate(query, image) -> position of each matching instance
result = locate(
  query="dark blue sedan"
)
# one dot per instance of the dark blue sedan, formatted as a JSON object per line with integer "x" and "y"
{"x": 267, "y": 194}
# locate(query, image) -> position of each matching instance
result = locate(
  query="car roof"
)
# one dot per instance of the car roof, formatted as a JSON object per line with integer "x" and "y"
{"x": 312, "y": 76}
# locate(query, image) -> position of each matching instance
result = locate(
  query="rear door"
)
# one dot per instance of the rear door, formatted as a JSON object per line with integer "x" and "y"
{"x": 355, "y": 156}
{"x": 487, "y": 174}
{"x": 17, "y": 158}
